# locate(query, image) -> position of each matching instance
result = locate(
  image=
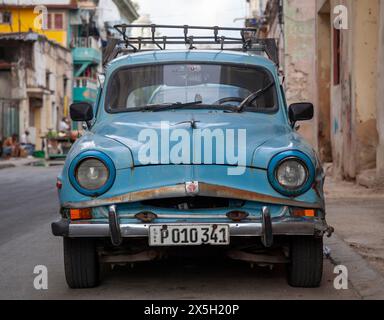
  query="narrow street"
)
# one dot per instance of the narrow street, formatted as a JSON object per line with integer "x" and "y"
{"x": 26, "y": 241}
{"x": 173, "y": 116}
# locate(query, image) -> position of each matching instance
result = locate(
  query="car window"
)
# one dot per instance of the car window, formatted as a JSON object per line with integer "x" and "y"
{"x": 212, "y": 84}
{"x": 206, "y": 93}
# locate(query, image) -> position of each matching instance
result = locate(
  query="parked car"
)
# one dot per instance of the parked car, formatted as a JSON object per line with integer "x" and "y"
{"x": 192, "y": 148}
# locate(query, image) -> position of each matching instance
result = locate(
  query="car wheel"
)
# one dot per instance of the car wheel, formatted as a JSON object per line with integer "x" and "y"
{"x": 305, "y": 269}
{"x": 81, "y": 263}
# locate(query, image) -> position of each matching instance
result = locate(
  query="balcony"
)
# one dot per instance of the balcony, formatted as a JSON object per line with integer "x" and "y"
{"x": 86, "y": 50}
{"x": 84, "y": 89}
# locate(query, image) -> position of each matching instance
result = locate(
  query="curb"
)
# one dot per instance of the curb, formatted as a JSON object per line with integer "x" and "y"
{"x": 367, "y": 282}
{"x": 6, "y": 165}
{"x": 12, "y": 165}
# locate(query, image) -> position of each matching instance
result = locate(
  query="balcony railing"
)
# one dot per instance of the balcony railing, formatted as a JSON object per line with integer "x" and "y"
{"x": 85, "y": 50}
{"x": 85, "y": 42}
{"x": 84, "y": 89}
{"x": 83, "y": 82}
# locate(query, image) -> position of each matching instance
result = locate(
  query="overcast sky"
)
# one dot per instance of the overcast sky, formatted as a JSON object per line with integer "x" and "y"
{"x": 195, "y": 12}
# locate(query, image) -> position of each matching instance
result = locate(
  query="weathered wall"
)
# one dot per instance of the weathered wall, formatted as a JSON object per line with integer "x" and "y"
{"x": 299, "y": 57}
{"x": 365, "y": 81}
{"x": 5, "y": 83}
{"x": 354, "y": 100}
{"x": 27, "y": 17}
{"x": 26, "y": 81}
{"x": 380, "y": 96}
{"x": 57, "y": 62}
{"x": 323, "y": 73}
{"x": 349, "y": 114}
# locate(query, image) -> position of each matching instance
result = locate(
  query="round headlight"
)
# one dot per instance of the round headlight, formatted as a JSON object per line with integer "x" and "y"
{"x": 92, "y": 174}
{"x": 292, "y": 174}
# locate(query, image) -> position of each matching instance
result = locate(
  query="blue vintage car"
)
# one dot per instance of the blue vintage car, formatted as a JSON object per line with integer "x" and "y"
{"x": 191, "y": 148}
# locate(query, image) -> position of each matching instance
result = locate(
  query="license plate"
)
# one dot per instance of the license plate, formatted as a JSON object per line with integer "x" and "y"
{"x": 188, "y": 235}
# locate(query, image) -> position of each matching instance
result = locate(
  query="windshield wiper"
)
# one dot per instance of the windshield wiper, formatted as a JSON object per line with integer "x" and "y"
{"x": 179, "y": 105}
{"x": 191, "y": 105}
{"x": 176, "y": 105}
{"x": 164, "y": 106}
{"x": 253, "y": 96}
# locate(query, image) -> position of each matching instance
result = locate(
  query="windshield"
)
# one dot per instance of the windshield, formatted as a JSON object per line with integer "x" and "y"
{"x": 210, "y": 85}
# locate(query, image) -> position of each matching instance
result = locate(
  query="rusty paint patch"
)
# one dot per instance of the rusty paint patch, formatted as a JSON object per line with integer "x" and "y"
{"x": 178, "y": 190}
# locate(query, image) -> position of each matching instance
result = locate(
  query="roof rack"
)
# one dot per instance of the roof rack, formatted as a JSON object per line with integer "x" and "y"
{"x": 246, "y": 42}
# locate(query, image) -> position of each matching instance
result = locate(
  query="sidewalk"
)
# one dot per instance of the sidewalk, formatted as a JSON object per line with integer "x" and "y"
{"x": 357, "y": 214}
{"x": 18, "y": 162}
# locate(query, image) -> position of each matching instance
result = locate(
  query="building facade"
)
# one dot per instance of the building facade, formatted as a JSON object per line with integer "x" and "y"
{"x": 292, "y": 25}
{"x": 349, "y": 73}
{"x": 35, "y": 78}
{"x": 74, "y": 26}
{"x": 70, "y": 23}
{"x": 85, "y": 44}
{"x": 331, "y": 53}
{"x": 28, "y": 15}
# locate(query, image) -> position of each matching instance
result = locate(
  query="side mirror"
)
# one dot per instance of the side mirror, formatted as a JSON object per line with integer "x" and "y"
{"x": 300, "y": 112}
{"x": 81, "y": 111}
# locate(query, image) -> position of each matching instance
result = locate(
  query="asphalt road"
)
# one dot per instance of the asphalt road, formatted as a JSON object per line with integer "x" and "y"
{"x": 28, "y": 204}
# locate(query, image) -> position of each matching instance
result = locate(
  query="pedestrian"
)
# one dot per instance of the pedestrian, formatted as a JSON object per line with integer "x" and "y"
{"x": 11, "y": 146}
{"x": 64, "y": 125}
{"x": 26, "y": 143}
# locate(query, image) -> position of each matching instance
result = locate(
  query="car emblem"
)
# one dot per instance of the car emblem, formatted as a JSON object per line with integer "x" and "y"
{"x": 192, "y": 187}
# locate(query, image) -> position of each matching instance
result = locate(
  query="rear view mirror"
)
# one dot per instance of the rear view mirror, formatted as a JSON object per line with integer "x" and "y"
{"x": 81, "y": 111}
{"x": 300, "y": 111}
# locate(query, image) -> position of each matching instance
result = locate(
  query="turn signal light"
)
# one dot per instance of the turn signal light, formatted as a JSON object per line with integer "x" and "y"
{"x": 146, "y": 216}
{"x": 237, "y": 216}
{"x": 81, "y": 214}
{"x": 304, "y": 213}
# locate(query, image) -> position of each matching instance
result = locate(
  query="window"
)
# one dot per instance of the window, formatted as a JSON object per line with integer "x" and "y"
{"x": 48, "y": 80}
{"x": 212, "y": 84}
{"x": 56, "y": 21}
{"x": 59, "y": 21}
{"x": 65, "y": 85}
{"x": 5, "y": 17}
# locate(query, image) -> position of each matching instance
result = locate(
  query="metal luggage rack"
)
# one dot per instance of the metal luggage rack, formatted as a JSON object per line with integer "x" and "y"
{"x": 247, "y": 42}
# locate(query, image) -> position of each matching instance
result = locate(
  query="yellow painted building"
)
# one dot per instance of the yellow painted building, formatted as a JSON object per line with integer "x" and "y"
{"x": 29, "y": 18}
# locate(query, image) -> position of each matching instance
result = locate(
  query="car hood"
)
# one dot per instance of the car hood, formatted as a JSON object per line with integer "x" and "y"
{"x": 177, "y": 134}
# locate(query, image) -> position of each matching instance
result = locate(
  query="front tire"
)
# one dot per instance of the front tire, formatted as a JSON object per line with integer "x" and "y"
{"x": 81, "y": 263}
{"x": 306, "y": 266}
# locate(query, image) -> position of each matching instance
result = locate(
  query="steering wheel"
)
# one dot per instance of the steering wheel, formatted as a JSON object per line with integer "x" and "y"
{"x": 229, "y": 99}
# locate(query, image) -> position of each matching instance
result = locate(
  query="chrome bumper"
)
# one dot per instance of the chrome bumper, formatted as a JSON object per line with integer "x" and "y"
{"x": 280, "y": 226}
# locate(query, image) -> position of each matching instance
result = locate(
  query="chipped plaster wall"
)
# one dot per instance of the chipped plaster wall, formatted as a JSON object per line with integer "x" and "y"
{"x": 323, "y": 73}
{"x": 380, "y": 96}
{"x": 296, "y": 52}
{"x": 28, "y": 79}
{"x": 299, "y": 57}
{"x": 365, "y": 82}
{"x": 354, "y": 100}
{"x": 5, "y": 84}
{"x": 57, "y": 61}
